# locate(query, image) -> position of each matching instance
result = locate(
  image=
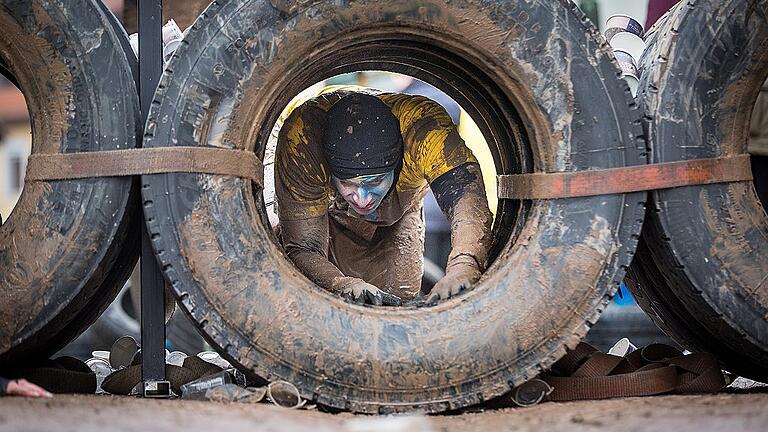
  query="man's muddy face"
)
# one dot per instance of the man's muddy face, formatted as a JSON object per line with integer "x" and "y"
{"x": 365, "y": 193}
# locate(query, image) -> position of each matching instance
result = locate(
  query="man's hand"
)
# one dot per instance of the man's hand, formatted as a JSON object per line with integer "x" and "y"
{"x": 361, "y": 292}
{"x": 460, "y": 277}
{"x": 22, "y": 387}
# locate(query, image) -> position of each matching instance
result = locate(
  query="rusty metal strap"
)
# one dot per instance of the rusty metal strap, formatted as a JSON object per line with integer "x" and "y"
{"x": 130, "y": 162}
{"x": 624, "y": 180}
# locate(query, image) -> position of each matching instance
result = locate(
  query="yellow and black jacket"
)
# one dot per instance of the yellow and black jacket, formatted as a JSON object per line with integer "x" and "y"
{"x": 432, "y": 147}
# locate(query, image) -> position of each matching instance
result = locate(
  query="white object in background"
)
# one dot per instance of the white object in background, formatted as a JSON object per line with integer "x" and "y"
{"x": 622, "y": 23}
{"x": 622, "y": 348}
{"x": 176, "y": 358}
{"x": 630, "y": 43}
{"x": 172, "y": 36}
{"x": 104, "y": 355}
{"x": 634, "y": 83}
{"x": 133, "y": 38}
{"x": 215, "y": 358}
{"x": 626, "y": 62}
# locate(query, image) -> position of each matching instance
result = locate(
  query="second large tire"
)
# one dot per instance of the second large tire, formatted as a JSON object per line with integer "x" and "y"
{"x": 528, "y": 73}
{"x": 702, "y": 268}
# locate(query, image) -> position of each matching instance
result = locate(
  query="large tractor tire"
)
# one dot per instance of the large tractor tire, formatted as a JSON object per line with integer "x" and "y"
{"x": 545, "y": 90}
{"x": 702, "y": 266}
{"x": 65, "y": 251}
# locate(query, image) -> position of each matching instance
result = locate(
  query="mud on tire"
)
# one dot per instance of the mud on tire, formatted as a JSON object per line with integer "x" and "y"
{"x": 701, "y": 270}
{"x": 528, "y": 73}
{"x": 65, "y": 250}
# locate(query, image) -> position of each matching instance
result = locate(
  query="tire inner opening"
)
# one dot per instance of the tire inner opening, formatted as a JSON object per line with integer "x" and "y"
{"x": 493, "y": 121}
{"x": 758, "y": 146}
{"x": 15, "y": 140}
{"x": 437, "y": 241}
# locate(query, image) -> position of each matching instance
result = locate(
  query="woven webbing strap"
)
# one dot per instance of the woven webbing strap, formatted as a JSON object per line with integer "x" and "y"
{"x": 122, "y": 381}
{"x": 586, "y": 373}
{"x": 130, "y": 162}
{"x": 624, "y": 180}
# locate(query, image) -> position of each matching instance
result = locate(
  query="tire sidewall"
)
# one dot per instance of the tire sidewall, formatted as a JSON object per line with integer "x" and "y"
{"x": 717, "y": 235}
{"x": 60, "y": 243}
{"x": 539, "y": 296}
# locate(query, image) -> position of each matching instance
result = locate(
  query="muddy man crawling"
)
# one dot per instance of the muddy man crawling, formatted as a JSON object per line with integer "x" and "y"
{"x": 351, "y": 170}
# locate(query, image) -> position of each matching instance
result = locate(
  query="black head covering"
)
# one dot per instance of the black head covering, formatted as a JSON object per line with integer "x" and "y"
{"x": 362, "y": 137}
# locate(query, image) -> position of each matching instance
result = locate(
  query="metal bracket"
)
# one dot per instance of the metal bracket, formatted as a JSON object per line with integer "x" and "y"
{"x": 152, "y": 284}
{"x": 156, "y": 389}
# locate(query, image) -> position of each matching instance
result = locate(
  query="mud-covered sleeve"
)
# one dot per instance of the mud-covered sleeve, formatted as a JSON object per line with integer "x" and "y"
{"x": 436, "y": 144}
{"x": 440, "y": 156}
{"x": 460, "y": 193}
{"x": 302, "y": 181}
{"x": 302, "y": 188}
{"x": 306, "y": 243}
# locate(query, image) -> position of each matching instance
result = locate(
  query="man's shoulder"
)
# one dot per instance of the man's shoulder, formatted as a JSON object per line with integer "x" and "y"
{"x": 411, "y": 109}
{"x": 404, "y": 101}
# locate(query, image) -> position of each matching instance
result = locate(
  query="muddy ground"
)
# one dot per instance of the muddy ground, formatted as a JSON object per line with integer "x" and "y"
{"x": 731, "y": 412}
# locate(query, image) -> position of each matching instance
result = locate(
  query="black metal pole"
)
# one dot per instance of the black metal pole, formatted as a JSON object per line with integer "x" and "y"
{"x": 152, "y": 284}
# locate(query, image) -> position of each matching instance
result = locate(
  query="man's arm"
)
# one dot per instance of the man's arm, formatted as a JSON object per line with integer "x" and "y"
{"x": 301, "y": 187}
{"x": 22, "y": 387}
{"x": 460, "y": 193}
{"x": 306, "y": 243}
{"x": 457, "y": 183}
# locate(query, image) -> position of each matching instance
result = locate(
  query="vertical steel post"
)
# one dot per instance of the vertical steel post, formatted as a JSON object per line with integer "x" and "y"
{"x": 152, "y": 284}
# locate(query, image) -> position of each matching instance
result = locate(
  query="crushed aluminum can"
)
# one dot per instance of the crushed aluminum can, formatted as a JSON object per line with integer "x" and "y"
{"x": 622, "y": 347}
{"x": 175, "y": 358}
{"x": 214, "y": 358}
{"x": 122, "y": 352}
{"x": 101, "y": 368}
{"x": 531, "y": 392}
{"x": 285, "y": 394}
{"x": 197, "y": 389}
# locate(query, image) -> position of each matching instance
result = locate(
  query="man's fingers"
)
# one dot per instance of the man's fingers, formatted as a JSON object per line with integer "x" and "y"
{"x": 388, "y": 299}
{"x": 374, "y": 298}
{"x": 347, "y": 295}
{"x": 23, "y": 387}
{"x": 34, "y": 390}
{"x": 360, "y": 298}
{"x": 432, "y": 299}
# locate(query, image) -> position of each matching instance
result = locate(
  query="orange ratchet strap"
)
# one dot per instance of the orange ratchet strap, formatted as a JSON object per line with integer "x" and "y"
{"x": 624, "y": 180}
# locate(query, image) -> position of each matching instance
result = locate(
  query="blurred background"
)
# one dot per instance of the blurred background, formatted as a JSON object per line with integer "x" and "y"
{"x": 623, "y": 317}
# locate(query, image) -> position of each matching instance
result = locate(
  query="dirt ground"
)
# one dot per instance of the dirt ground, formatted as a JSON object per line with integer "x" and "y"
{"x": 731, "y": 412}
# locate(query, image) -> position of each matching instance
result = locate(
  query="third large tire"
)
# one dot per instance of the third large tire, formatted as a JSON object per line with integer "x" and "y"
{"x": 702, "y": 267}
{"x": 65, "y": 249}
{"x": 528, "y": 72}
